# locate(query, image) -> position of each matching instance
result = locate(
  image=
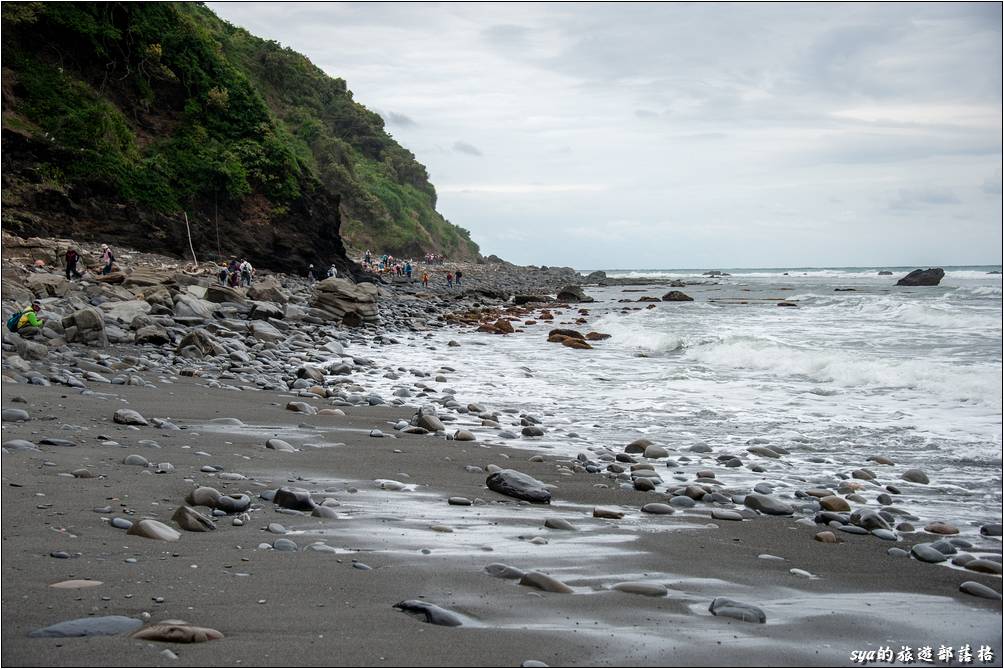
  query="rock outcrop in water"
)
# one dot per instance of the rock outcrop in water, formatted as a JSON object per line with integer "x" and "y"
{"x": 923, "y": 277}
{"x": 345, "y": 302}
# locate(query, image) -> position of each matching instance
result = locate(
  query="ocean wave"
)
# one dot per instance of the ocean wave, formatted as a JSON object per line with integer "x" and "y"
{"x": 851, "y": 273}
{"x": 941, "y": 314}
{"x": 631, "y": 332}
{"x": 980, "y": 291}
{"x": 950, "y": 312}
{"x": 849, "y": 370}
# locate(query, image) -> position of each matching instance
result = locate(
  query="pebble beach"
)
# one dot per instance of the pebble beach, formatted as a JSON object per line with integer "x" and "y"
{"x": 342, "y": 474}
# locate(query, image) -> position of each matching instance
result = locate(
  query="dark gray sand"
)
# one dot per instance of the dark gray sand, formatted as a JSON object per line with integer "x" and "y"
{"x": 310, "y": 608}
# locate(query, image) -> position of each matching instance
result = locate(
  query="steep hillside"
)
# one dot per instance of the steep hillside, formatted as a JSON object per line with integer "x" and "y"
{"x": 119, "y": 117}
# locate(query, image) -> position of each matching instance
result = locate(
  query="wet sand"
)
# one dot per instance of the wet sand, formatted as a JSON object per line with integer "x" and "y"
{"x": 315, "y": 609}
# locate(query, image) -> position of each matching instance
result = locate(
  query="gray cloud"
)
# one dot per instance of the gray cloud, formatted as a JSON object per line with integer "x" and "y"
{"x": 399, "y": 119}
{"x": 992, "y": 184}
{"x": 506, "y": 35}
{"x": 469, "y": 149}
{"x": 915, "y": 198}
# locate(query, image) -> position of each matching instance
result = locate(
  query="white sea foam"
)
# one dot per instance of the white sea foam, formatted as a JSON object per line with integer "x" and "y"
{"x": 987, "y": 291}
{"x": 853, "y": 369}
{"x": 941, "y": 314}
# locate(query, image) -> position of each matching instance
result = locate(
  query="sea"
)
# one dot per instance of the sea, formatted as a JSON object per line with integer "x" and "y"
{"x": 859, "y": 368}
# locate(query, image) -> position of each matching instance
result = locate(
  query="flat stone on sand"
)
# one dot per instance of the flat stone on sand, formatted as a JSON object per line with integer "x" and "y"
{"x": 75, "y": 583}
{"x": 154, "y": 529}
{"x": 174, "y": 633}
{"x": 535, "y": 579}
{"x": 430, "y": 613}
{"x": 722, "y": 606}
{"x": 927, "y": 553}
{"x": 605, "y": 512}
{"x": 499, "y": 570}
{"x": 129, "y": 417}
{"x": 979, "y": 590}
{"x": 96, "y": 626}
{"x": 516, "y": 484}
{"x": 639, "y": 588}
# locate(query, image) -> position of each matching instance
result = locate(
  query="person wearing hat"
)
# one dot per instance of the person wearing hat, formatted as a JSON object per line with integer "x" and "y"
{"x": 29, "y": 324}
{"x": 107, "y": 257}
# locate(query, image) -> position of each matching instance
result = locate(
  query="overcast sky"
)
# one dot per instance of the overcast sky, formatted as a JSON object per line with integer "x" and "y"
{"x": 684, "y": 135}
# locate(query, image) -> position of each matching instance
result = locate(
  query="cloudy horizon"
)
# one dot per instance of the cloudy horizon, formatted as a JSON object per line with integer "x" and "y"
{"x": 684, "y": 135}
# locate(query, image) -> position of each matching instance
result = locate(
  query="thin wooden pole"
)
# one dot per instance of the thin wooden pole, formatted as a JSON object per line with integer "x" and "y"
{"x": 191, "y": 248}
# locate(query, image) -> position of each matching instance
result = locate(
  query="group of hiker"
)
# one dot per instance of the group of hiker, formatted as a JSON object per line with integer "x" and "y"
{"x": 72, "y": 258}
{"x": 318, "y": 274}
{"x": 386, "y": 264}
{"x": 237, "y": 274}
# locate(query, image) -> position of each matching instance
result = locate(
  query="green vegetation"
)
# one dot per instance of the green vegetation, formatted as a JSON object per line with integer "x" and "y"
{"x": 171, "y": 108}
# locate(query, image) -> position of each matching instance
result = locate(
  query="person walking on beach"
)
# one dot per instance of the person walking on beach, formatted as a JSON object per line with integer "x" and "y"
{"x": 460, "y": 275}
{"x": 408, "y": 270}
{"x": 449, "y": 279}
{"x": 247, "y": 272}
{"x": 222, "y": 274}
{"x": 332, "y": 271}
{"x": 368, "y": 258}
{"x": 26, "y": 322}
{"x": 425, "y": 279}
{"x": 108, "y": 258}
{"x": 72, "y": 257}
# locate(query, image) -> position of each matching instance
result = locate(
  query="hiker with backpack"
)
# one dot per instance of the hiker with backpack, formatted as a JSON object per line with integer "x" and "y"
{"x": 247, "y": 272}
{"x": 72, "y": 258}
{"x": 26, "y": 322}
{"x": 108, "y": 258}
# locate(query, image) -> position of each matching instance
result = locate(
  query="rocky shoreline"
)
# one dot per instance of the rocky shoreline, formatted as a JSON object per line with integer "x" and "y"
{"x": 187, "y": 462}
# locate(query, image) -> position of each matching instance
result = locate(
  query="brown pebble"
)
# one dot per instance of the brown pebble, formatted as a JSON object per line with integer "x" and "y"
{"x": 827, "y": 537}
{"x": 939, "y": 527}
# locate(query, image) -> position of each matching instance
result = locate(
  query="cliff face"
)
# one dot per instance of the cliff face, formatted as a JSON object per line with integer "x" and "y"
{"x": 118, "y": 117}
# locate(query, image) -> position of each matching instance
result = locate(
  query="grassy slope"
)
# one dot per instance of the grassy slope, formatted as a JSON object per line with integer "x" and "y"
{"x": 171, "y": 108}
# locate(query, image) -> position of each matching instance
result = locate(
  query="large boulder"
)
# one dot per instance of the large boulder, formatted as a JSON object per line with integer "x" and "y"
{"x": 145, "y": 277}
{"x": 573, "y": 294}
{"x": 345, "y": 302}
{"x": 676, "y": 296}
{"x": 86, "y": 326}
{"x": 923, "y": 277}
{"x": 198, "y": 344}
{"x": 17, "y": 293}
{"x": 27, "y": 349}
{"x": 47, "y": 285}
{"x": 527, "y": 299}
{"x": 125, "y": 311}
{"x": 268, "y": 289}
{"x": 265, "y": 331}
{"x": 157, "y": 296}
{"x": 266, "y": 310}
{"x": 217, "y": 293}
{"x": 152, "y": 334}
{"x": 598, "y": 276}
{"x": 189, "y": 306}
